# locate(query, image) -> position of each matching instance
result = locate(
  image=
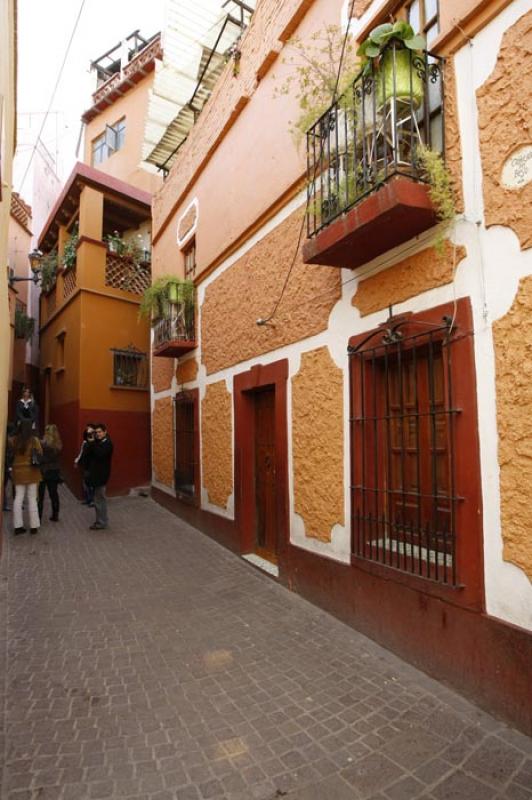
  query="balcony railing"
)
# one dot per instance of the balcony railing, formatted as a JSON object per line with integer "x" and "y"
{"x": 126, "y": 273}
{"x": 373, "y": 132}
{"x": 175, "y": 334}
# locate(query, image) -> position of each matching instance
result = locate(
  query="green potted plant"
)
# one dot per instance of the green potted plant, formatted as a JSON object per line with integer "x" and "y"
{"x": 24, "y": 325}
{"x": 71, "y": 248}
{"x": 167, "y": 292}
{"x": 48, "y": 270}
{"x": 437, "y": 175}
{"x": 125, "y": 248}
{"x": 389, "y": 49}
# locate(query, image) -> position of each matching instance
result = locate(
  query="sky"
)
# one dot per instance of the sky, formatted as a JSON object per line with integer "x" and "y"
{"x": 44, "y": 30}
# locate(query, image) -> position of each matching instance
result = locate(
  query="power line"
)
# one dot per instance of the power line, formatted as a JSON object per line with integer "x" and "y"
{"x": 53, "y": 94}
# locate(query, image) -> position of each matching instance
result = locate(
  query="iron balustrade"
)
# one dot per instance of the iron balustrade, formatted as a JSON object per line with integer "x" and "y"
{"x": 178, "y": 325}
{"x": 130, "y": 368}
{"x": 373, "y": 132}
{"x": 403, "y": 492}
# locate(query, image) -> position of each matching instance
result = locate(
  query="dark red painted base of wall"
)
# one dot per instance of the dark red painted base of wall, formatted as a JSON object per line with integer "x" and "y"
{"x": 486, "y": 659}
{"x": 130, "y": 433}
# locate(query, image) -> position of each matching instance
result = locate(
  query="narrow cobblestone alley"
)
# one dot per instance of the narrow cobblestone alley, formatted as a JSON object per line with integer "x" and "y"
{"x": 147, "y": 662}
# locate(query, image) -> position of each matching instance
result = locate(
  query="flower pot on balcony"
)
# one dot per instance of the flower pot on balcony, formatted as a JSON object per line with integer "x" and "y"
{"x": 172, "y": 293}
{"x": 387, "y": 55}
{"x": 400, "y": 78}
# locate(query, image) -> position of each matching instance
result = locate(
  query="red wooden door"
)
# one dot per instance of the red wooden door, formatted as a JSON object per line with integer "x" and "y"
{"x": 265, "y": 470}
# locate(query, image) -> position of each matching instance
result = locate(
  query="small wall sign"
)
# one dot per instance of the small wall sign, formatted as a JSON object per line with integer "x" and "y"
{"x": 517, "y": 170}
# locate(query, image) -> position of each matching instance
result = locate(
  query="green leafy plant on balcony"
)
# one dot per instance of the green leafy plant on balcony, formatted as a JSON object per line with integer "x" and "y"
{"x": 126, "y": 248}
{"x": 24, "y": 325}
{"x": 440, "y": 189}
{"x": 70, "y": 250}
{"x": 313, "y": 76}
{"x": 165, "y": 293}
{"x": 388, "y": 49}
{"x": 49, "y": 263}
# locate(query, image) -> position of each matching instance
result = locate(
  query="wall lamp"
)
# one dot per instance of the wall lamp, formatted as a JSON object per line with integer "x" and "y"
{"x": 35, "y": 265}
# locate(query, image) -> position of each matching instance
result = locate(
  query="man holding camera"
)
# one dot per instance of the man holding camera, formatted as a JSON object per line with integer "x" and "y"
{"x": 97, "y": 456}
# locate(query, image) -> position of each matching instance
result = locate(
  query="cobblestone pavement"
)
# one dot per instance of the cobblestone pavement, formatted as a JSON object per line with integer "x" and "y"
{"x": 147, "y": 662}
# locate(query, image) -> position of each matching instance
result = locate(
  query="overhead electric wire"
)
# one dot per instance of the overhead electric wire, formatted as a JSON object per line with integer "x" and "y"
{"x": 265, "y": 320}
{"x": 48, "y": 110}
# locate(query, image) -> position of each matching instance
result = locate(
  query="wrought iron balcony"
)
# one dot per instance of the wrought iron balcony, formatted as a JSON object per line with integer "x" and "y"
{"x": 366, "y": 188}
{"x": 175, "y": 334}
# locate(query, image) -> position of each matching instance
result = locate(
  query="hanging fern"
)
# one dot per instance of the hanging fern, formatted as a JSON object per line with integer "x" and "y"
{"x": 48, "y": 270}
{"x": 71, "y": 248}
{"x": 24, "y": 325}
{"x": 440, "y": 189}
{"x": 166, "y": 291}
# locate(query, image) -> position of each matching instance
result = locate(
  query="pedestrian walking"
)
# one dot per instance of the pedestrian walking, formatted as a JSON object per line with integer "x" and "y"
{"x": 27, "y": 408}
{"x": 27, "y": 453}
{"x": 8, "y": 462}
{"x": 98, "y": 454}
{"x": 79, "y": 463}
{"x": 50, "y": 470}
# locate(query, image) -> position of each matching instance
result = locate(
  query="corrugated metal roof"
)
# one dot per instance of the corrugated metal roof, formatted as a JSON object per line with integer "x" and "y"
{"x": 197, "y": 38}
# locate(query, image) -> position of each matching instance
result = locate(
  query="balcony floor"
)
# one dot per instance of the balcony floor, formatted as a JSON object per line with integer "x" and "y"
{"x": 398, "y": 211}
{"x": 174, "y": 348}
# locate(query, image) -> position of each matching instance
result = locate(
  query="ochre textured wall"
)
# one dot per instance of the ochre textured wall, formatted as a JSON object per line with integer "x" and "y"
{"x": 187, "y": 371}
{"x": 318, "y": 443}
{"x": 229, "y": 332}
{"x": 217, "y": 437}
{"x": 163, "y": 441}
{"x": 408, "y": 278}
{"x": 453, "y": 147}
{"x": 162, "y": 372}
{"x": 504, "y": 120}
{"x": 513, "y": 360}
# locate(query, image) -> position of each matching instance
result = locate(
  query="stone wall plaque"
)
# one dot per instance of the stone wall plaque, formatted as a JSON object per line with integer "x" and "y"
{"x": 517, "y": 169}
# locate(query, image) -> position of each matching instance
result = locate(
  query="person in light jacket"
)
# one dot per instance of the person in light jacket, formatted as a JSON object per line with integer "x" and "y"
{"x": 97, "y": 457}
{"x": 26, "y": 475}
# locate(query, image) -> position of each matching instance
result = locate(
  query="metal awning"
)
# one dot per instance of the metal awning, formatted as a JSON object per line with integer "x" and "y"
{"x": 197, "y": 41}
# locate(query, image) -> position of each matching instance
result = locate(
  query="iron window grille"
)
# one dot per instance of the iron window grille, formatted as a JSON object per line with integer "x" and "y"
{"x": 403, "y": 494}
{"x": 185, "y": 438}
{"x": 373, "y": 132}
{"x": 130, "y": 368}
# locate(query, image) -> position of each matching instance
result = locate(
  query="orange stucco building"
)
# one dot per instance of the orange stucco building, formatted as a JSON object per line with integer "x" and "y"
{"x": 94, "y": 346}
{"x": 350, "y": 414}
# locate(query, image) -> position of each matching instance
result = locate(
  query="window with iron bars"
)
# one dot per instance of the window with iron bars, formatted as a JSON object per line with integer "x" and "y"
{"x": 130, "y": 368}
{"x": 403, "y": 492}
{"x": 185, "y": 443}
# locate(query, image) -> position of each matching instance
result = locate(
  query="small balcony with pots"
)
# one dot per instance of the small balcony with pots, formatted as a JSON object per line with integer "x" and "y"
{"x": 368, "y": 190}
{"x": 174, "y": 329}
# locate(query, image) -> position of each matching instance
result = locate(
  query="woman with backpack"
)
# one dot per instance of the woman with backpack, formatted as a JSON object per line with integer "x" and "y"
{"x": 50, "y": 470}
{"x": 26, "y": 474}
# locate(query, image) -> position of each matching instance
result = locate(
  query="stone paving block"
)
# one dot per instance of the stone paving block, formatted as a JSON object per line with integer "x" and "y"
{"x": 151, "y": 664}
{"x": 460, "y": 786}
{"x": 494, "y": 761}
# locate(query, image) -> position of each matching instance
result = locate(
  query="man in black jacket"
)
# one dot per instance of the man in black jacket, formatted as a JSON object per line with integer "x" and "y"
{"x": 97, "y": 461}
